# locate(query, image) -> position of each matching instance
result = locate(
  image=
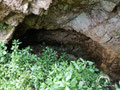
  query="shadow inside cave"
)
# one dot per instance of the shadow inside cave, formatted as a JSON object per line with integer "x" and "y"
{"x": 69, "y": 41}
{"x": 75, "y": 44}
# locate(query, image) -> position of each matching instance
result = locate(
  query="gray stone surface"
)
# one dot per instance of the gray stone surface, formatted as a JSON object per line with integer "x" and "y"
{"x": 108, "y": 5}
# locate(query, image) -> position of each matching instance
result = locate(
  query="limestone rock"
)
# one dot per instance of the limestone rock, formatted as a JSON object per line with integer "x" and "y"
{"x": 15, "y": 19}
{"x": 13, "y": 12}
{"x": 118, "y": 9}
{"x": 107, "y": 5}
{"x": 6, "y": 35}
{"x": 37, "y": 5}
{"x": 82, "y": 23}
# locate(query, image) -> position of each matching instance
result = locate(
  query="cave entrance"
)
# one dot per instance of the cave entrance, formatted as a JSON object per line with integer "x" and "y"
{"x": 73, "y": 43}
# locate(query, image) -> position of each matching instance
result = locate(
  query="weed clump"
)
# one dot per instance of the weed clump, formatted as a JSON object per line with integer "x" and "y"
{"x": 21, "y": 70}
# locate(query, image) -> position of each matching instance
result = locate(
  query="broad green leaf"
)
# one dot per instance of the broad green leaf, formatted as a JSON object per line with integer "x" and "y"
{"x": 68, "y": 75}
{"x": 67, "y": 88}
{"x": 76, "y": 66}
{"x": 74, "y": 82}
{"x": 81, "y": 83}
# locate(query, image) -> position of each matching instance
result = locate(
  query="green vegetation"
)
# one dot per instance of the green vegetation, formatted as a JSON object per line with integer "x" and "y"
{"x": 21, "y": 70}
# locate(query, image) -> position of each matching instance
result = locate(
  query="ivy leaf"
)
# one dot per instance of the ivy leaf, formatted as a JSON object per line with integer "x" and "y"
{"x": 76, "y": 66}
{"x": 67, "y": 88}
{"x": 73, "y": 82}
{"x": 68, "y": 75}
{"x": 81, "y": 83}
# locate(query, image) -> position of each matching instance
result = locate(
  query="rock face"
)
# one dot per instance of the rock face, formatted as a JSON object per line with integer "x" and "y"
{"x": 96, "y": 19}
{"x": 13, "y": 12}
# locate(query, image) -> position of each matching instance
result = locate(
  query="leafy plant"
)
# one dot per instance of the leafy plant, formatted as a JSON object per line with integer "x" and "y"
{"x": 21, "y": 70}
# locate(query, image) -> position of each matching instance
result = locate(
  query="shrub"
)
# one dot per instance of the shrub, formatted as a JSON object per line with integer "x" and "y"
{"x": 21, "y": 70}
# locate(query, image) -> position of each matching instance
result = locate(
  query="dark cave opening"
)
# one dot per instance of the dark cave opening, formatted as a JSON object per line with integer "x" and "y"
{"x": 69, "y": 41}
{"x": 75, "y": 44}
